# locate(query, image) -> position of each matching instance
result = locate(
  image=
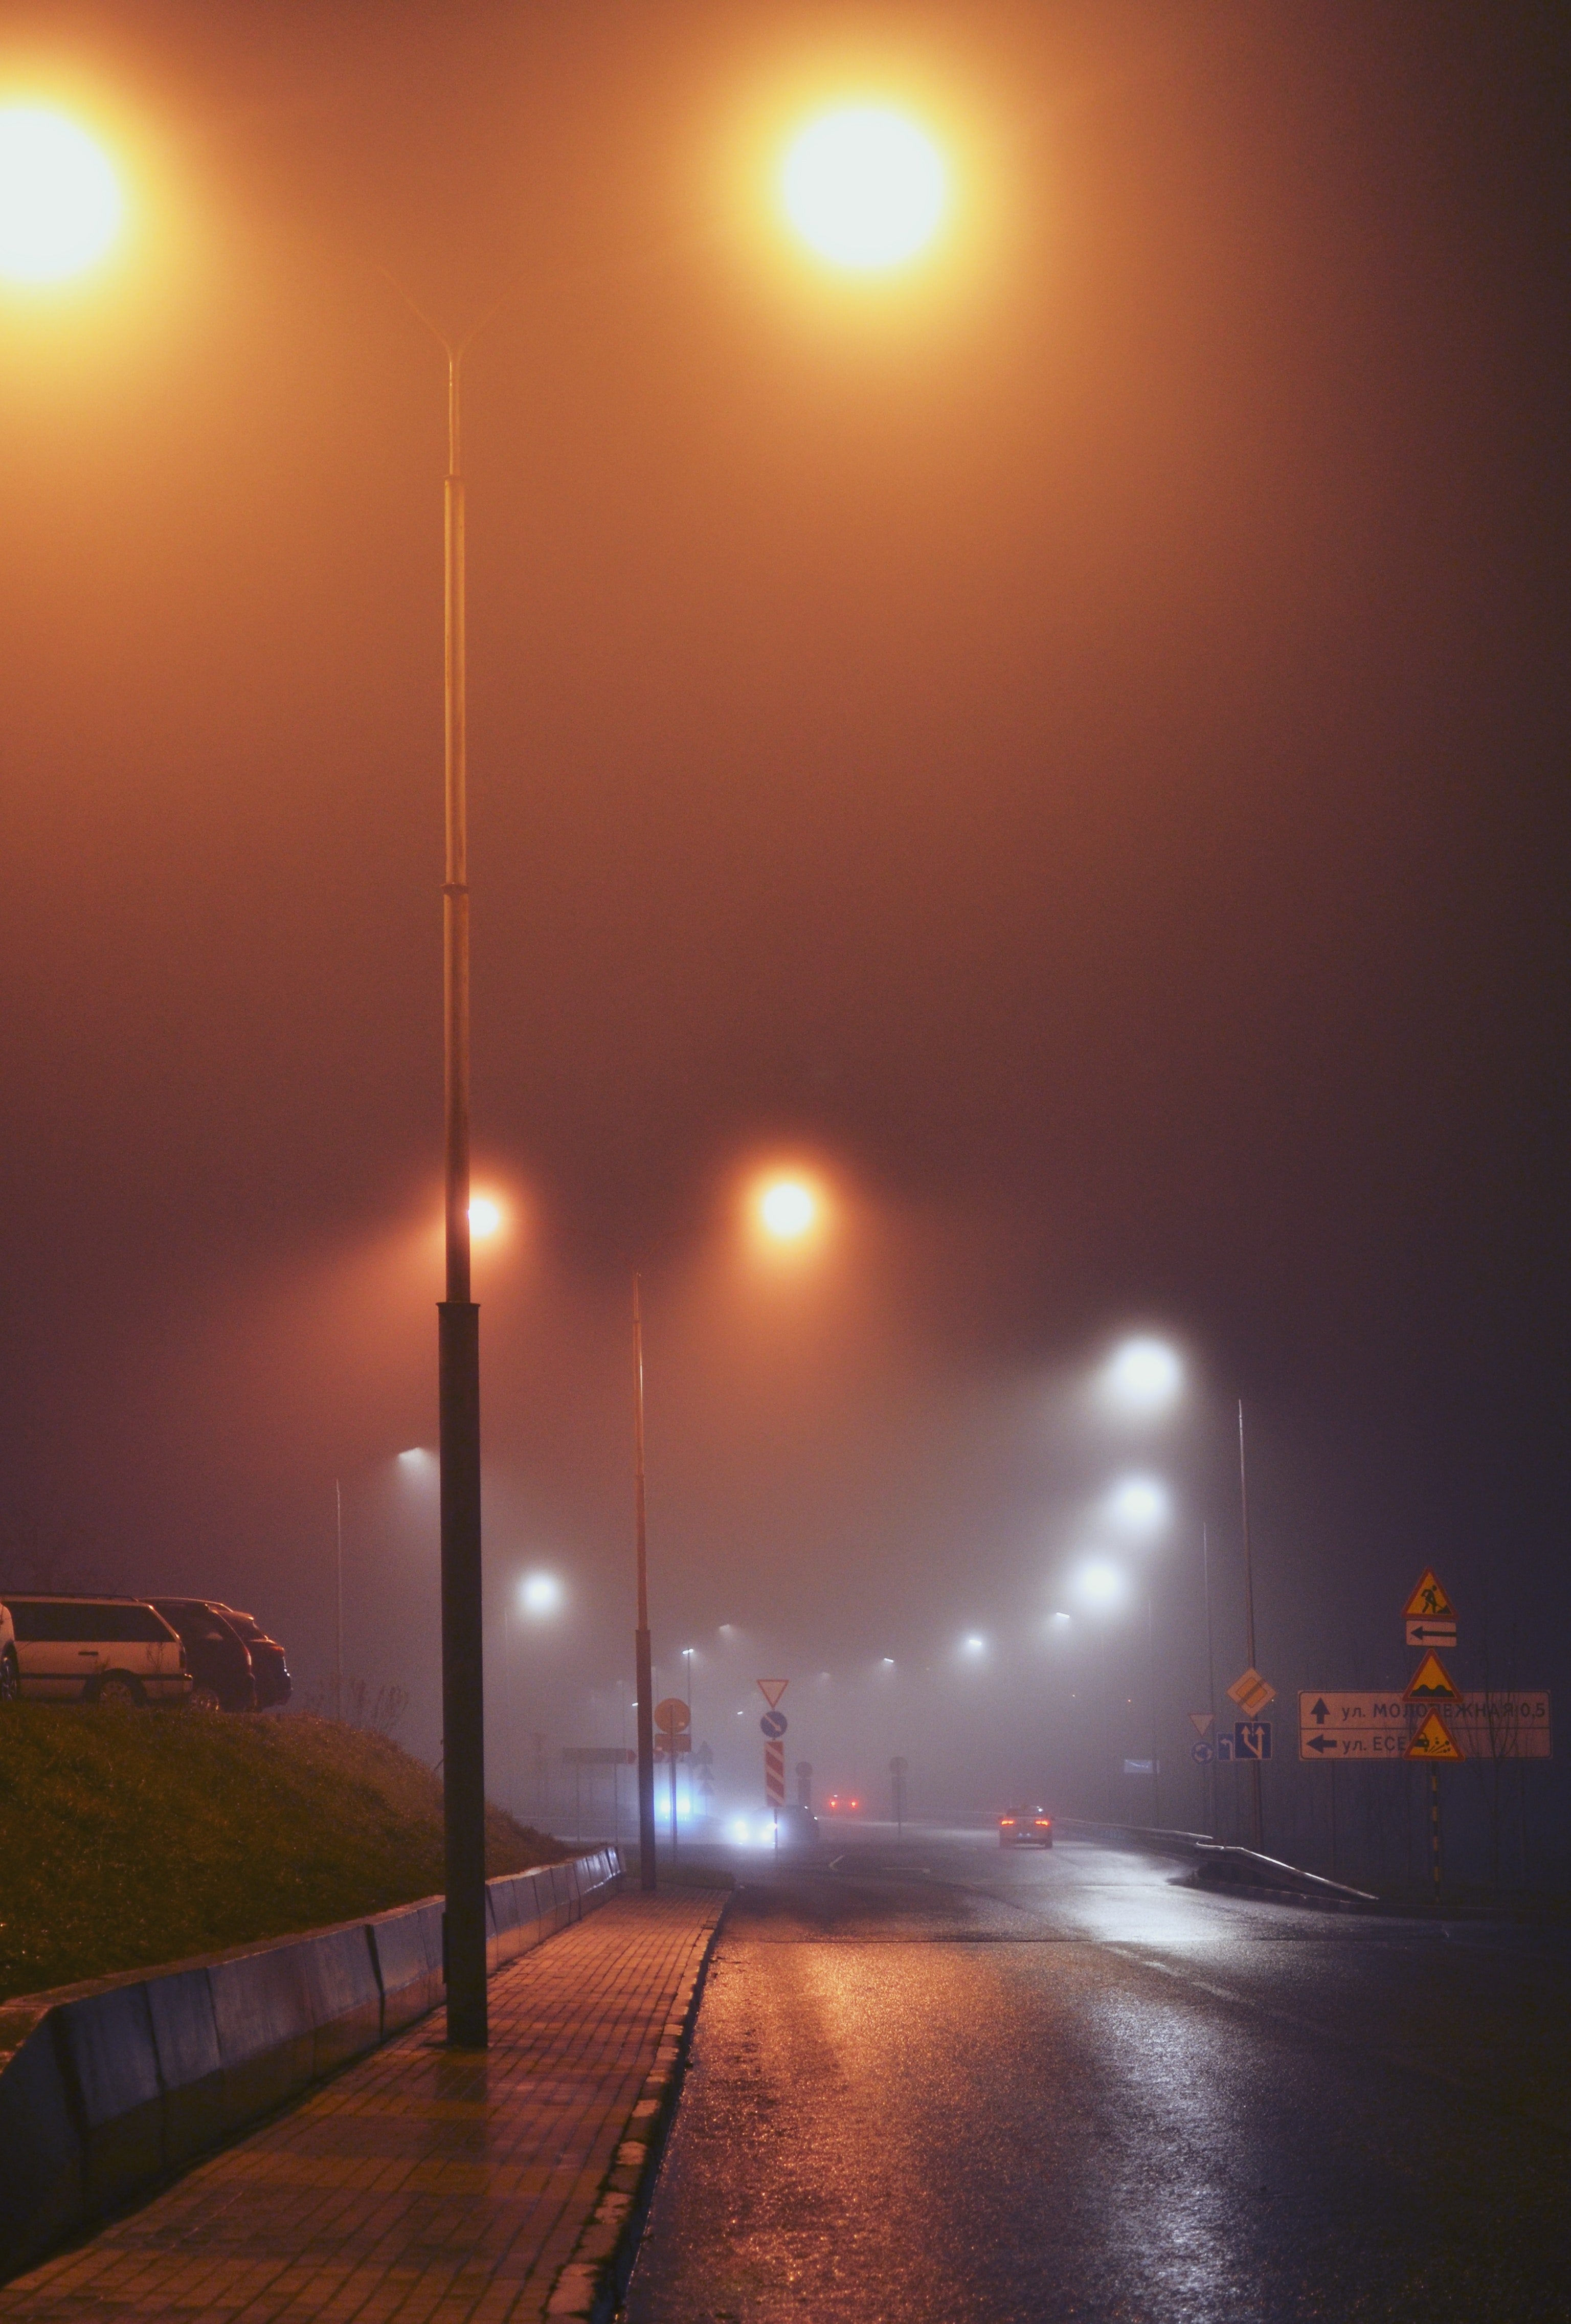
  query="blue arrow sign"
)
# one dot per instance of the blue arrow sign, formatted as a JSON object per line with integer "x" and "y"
{"x": 1252, "y": 1738}
{"x": 1200, "y": 1753}
{"x": 772, "y": 1724}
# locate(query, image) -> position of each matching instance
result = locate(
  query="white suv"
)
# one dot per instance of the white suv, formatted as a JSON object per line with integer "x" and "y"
{"x": 116, "y": 1650}
{"x": 8, "y": 1680}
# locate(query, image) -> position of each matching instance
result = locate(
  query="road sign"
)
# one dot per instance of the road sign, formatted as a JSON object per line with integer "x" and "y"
{"x": 672, "y": 1716}
{"x": 772, "y": 1724}
{"x": 1224, "y": 1746}
{"x": 1433, "y": 1740}
{"x": 1431, "y": 1634}
{"x": 772, "y": 1689}
{"x": 1494, "y": 1725}
{"x": 1251, "y": 1692}
{"x": 1201, "y": 1753}
{"x": 1140, "y": 1767}
{"x": 1431, "y": 1683}
{"x": 774, "y": 1773}
{"x": 1252, "y": 1738}
{"x": 672, "y": 1746}
{"x": 1428, "y": 1601}
{"x": 1202, "y": 1722}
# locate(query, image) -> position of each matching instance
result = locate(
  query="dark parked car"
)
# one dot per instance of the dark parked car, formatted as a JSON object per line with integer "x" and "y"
{"x": 221, "y": 1678}
{"x": 273, "y": 1683}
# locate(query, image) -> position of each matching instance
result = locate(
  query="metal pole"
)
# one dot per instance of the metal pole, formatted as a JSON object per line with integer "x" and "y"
{"x": 644, "y": 1673}
{"x": 1151, "y": 1688}
{"x": 339, "y": 1622}
{"x": 1249, "y": 1613}
{"x": 1210, "y": 1668}
{"x": 458, "y": 1349}
{"x": 1435, "y": 1827}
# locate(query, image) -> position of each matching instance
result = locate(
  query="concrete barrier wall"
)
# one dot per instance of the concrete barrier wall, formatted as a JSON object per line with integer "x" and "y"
{"x": 108, "y": 2086}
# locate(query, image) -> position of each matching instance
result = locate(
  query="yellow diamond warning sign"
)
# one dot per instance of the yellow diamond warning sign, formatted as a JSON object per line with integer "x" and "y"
{"x": 1428, "y": 1601}
{"x": 1431, "y": 1683}
{"x": 1432, "y": 1739}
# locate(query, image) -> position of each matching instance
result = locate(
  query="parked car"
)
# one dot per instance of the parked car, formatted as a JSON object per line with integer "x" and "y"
{"x": 8, "y": 1674}
{"x": 273, "y": 1683}
{"x": 109, "y": 1650}
{"x": 221, "y": 1677}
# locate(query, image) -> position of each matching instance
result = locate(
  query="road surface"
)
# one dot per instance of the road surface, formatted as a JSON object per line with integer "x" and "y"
{"x": 938, "y": 2082}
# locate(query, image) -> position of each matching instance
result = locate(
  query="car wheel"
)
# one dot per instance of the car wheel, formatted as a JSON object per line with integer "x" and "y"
{"x": 10, "y": 1679}
{"x": 119, "y": 1690}
{"x": 203, "y": 1697}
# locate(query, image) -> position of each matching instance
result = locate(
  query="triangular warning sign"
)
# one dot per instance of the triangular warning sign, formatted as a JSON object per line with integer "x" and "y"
{"x": 1433, "y": 1740}
{"x": 1429, "y": 1598}
{"x": 1431, "y": 1683}
{"x": 1202, "y": 1721}
{"x": 772, "y": 1689}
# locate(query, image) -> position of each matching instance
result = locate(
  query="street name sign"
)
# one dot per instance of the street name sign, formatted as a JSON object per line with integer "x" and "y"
{"x": 1251, "y": 1692}
{"x": 1499, "y": 1724}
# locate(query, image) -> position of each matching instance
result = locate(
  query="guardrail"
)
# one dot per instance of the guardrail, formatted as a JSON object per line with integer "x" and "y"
{"x": 109, "y": 2087}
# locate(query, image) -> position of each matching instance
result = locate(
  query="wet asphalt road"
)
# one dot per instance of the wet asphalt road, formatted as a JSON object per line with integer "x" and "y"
{"x": 940, "y": 2082}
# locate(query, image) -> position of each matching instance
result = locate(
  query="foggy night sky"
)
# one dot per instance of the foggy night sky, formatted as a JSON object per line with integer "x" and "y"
{"x": 1076, "y": 750}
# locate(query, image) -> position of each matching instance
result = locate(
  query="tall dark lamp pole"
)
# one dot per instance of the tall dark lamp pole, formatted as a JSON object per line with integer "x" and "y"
{"x": 458, "y": 1348}
{"x": 642, "y": 1668}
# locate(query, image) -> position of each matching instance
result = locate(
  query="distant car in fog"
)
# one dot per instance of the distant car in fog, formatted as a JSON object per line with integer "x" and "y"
{"x": 222, "y": 1674}
{"x": 843, "y": 1803}
{"x": 793, "y": 1830}
{"x": 1025, "y": 1828}
{"x": 106, "y": 1650}
{"x": 9, "y": 1680}
{"x": 273, "y": 1683}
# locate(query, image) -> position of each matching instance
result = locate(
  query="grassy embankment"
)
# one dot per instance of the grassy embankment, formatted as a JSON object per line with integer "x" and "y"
{"x": 131, "y": 1838}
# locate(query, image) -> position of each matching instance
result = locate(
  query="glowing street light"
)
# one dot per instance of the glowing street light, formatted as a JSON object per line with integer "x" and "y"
{"x": 788, "y": 1209}
{"x": 1138, "y": 1507}
{"x": 484, "y": 1218}
{"x": 864, "y": 186}
{"x": 1099, "y": 1586}
{"x": 541, "y": 1595}
{"x": 61, "y": 204}
{"x": 1142, "y": 1377}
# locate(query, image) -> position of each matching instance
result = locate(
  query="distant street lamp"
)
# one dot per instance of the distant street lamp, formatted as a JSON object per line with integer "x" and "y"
{"x": 788, "y": 1209}
{"x": 1142, "y": 1377}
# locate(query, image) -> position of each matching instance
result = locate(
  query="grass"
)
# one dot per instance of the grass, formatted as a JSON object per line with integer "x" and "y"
{"x": 131, "y": 1838}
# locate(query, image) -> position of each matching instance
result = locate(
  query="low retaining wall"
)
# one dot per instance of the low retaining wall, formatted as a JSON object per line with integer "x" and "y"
{"x": 108, "y": 2086}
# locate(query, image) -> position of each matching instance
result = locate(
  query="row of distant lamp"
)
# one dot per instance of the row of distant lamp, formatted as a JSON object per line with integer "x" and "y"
{"x": 861, "y": 185}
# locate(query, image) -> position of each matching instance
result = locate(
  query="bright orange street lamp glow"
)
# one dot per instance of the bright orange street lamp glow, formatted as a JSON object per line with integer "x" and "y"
{"x": 864, "y": 186}
{"x": 484, "y": 1217}
{"x": 788, "y": 1209}
{"x": 61, "y": 204}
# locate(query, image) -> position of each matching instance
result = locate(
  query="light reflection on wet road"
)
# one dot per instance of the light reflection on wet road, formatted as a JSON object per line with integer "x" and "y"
{"x": 942, "y": 2082}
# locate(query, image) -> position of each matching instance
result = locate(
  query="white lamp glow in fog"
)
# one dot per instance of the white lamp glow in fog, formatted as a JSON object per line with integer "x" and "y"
{"x": 1138, "y": 1507}
{"x": 1099, "y": 1585}
{"x": 539, "y": 1594}
{"x": 1143, "y": 1377}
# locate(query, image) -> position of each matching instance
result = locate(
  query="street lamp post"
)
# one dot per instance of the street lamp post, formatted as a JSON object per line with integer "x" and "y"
{"x": 458, "y": 1338}
{"x": 643, "y": 1671}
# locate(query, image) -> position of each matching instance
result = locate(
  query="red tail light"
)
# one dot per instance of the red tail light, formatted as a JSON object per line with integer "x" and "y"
{"x": 1007, "y": 1822}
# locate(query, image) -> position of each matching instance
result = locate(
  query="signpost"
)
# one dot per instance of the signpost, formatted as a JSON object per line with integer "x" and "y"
{"x": 772, "y": 1724}
{"x": 1252, "y": 1739}
{"x": 674, "y": 1740}
{"x": 897, "y": 1768}
{"x": 1201, "y": 1753}
{"x": 1202, "y": 1722}
{"x": 1251, "y": 1692}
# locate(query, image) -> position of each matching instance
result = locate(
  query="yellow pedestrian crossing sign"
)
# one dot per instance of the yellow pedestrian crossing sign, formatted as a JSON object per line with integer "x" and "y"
{"x": 1428, "y": 1600}
{"x": 1433, "y": 1740}
{"x": 1431, "y": 1683}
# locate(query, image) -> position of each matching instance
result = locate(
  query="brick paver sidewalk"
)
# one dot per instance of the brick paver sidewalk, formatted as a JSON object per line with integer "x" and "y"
{"x": 421, "y": 2184}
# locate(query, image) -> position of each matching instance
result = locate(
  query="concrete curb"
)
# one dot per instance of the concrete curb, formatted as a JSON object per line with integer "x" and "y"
{"x": 590, "y": 2286}
{"x": 109, "y": 2088}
